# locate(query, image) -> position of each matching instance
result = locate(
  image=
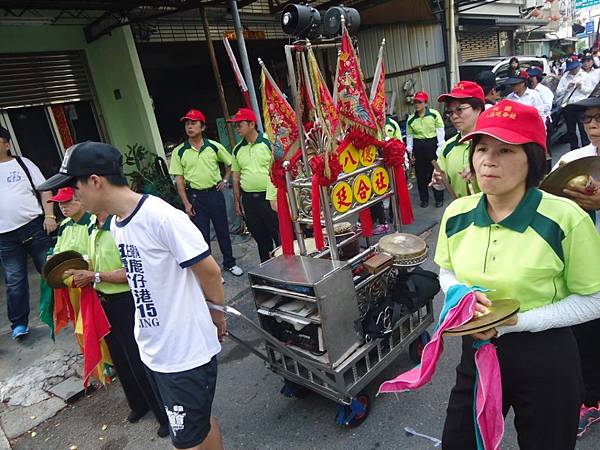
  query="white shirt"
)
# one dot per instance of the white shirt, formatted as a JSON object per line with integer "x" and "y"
{"x": 530, "y": 98}
{"x": 173, "y": 327}
{"x": 18, "y": 203}
{"x": 547, "y": 98}
{"x": 594, "y": 76}
{"x": 581, "y": 92}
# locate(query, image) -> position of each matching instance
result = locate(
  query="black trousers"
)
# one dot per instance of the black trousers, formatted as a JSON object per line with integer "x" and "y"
{"x": 424, "y": 151}
{"x": 588, "y": 336}
{"x": 573, "y": 122}
{"x": 262, "y": 223}
{"x": 541, "y": 381}
{"x": 120, "y": 311}
{"x": 209, "y": 205}
{"x": 378, "y": 213}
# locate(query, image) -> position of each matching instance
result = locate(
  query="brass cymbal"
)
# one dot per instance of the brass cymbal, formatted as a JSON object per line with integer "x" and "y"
{"x": 56, "y": 266}
{"x": 556, "y": 181}
{"x": 403, "y": 244}
{"x": 499, "y": 311}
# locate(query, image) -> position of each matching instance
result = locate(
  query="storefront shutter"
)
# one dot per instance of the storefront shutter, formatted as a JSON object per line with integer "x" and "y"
{"x": 28, "y": 79}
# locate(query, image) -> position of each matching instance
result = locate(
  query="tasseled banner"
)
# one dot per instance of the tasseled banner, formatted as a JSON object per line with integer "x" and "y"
{"x": 319, "y": 178}
{"x": 95, "y": 328}
{"x": 366, "y": 222}
{"x": 286, "y": 232}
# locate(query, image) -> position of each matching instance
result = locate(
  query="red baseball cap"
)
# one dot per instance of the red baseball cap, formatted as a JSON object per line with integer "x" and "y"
{"x": 63, "y": 195}
{"x": 242, "y": 115}
{"x": 511, "y": 122}
{"x": 193, "y": 114}
{"x": 463, "y": 89}
{"x": 421, "y": 96}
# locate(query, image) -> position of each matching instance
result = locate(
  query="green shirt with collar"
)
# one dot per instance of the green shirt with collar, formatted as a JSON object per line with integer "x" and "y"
{"x": 199, "y": 167}
{"x": 453, "y": 158}
{"x": 424, "y": 127}
{"x": 253, "y": 162}
{"x": 547, "y": 249}
{"x": 74, "y": 235}
{"x": 104, "y": 256}
{"x": 392, "y": 129}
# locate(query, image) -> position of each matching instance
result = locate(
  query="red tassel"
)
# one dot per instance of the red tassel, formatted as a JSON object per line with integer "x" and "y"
{"x": 285, "y": 222}
{"x": 316, "y": 212}
{"x": 404, "y": 204}
{"x": 366, "y": 222}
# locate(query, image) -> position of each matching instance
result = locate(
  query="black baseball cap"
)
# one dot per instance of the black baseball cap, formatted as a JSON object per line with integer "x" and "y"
{"x": 486, "y": 79}
{"x": 82, "y": 160}
{"x": 4, "y": 133}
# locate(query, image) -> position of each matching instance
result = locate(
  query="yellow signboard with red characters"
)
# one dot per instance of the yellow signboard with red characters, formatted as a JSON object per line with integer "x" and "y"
{"x": 341, "y": 197}
{"x": 380, "y": 180}
{"x": 368, "y": 155}
{"x": 349, "y": 159}
{"x": 361, "y": 188}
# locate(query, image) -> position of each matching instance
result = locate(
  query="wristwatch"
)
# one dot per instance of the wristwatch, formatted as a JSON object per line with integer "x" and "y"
{"x": 97, "y": 278}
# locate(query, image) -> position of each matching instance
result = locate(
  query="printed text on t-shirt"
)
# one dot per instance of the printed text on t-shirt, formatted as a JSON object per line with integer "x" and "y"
{"x": 146, "y": 313}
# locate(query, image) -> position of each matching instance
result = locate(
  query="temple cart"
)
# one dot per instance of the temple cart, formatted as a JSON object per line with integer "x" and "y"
{"x": 334, "y": 316}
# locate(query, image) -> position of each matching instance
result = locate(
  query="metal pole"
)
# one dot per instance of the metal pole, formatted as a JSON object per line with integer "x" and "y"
{"x": 217, "y": 75}
{"x": 333, "y": 248}
{"x": 296, "y": 97}
{"x": 239, "y": 33}
{"x": 294, "y": 208}
{"x": 394, "y": 201}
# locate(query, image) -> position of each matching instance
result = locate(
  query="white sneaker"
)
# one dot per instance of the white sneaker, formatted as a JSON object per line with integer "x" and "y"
{"x": 235, "y": 270}
{"x": 222, "y": 280}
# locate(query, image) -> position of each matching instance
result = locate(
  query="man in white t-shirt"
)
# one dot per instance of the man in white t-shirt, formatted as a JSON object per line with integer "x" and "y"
{"x": 25, "y": 222}
{"x": 172, "y": 278}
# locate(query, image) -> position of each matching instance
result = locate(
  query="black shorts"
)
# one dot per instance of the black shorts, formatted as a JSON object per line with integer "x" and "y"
{"x": 187, "y": 398}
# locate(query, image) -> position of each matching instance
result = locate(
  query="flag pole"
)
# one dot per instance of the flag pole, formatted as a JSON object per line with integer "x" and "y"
{"x": 377, "y": 74}
{"x": 237, "y": 73}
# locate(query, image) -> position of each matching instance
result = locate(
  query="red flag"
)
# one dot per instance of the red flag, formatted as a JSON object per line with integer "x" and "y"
{"x": 377, "y": 97}
{"x": 282, "y": 128}
{"x": 353, "y": 104}
{"x": 324, "y": 104}
{"x": 280, "y": 118}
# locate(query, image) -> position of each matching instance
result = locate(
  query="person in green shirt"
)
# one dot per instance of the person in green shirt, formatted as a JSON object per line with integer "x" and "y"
{"x": 108, "y": 277}
{"x": 520, "y": 243}
{"x": 425, "y": 134}
{"x": 392, "y": 129}
{"x": 253, "y": 192}
{"x": 464, "y": 103}
{"x": 195, "y": 164}
{"x": 72, "y": 231}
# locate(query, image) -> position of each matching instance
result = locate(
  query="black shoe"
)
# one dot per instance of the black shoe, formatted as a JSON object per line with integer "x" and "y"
{"x": 439, "y": 204}
{"x": 163, "y": 430}
{"x": 135, "y": 416}
{"x": 424, "y": 204}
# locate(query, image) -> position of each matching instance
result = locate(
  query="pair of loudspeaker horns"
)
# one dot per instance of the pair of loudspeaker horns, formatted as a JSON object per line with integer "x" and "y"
{"x": 304, "y": 21}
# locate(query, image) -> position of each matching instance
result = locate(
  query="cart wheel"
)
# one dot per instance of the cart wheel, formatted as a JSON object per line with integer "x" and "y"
{"x": 291, "y": 389}
{"x": 354, "y": 414}
{"x": 415, "y": 349}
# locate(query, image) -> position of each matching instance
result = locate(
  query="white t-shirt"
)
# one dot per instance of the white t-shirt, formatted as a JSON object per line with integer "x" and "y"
{"x": 173, "y": 326}
{"x": 18, "y": 203}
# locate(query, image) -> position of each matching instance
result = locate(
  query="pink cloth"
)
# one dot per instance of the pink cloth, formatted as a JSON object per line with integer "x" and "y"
{"x": 488, "y": 400}
{"x": 422, "y": 374}
{"x": 488, "y": 404}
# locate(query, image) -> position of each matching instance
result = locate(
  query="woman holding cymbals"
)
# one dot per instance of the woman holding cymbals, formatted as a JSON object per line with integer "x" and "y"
{"x": 524, "y": 244}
